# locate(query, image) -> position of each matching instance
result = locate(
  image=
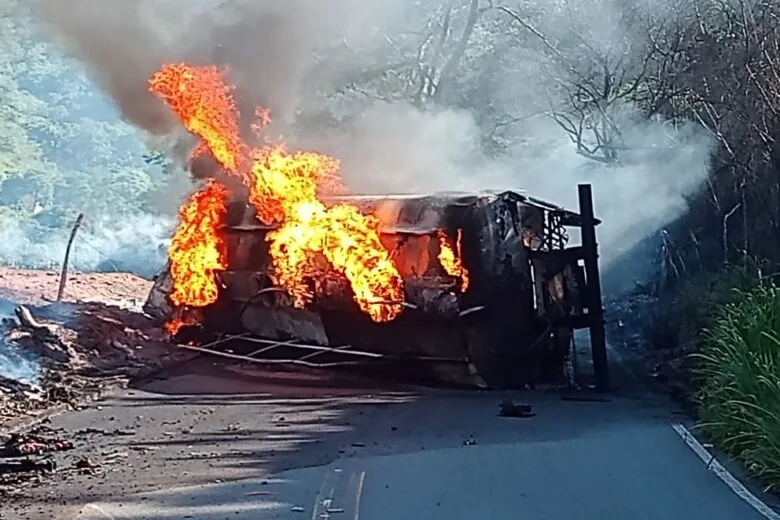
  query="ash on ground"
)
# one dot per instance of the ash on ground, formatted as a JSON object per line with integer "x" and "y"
{"x": 629, "y": 320}
{"x": 58, "y": 353}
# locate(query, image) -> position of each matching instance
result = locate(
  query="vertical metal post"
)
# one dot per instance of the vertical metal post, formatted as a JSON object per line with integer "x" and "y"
{"x": 598, "y": 341}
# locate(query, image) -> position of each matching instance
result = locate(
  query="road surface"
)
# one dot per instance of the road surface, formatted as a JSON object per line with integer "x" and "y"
{"x": 214, "y": 442}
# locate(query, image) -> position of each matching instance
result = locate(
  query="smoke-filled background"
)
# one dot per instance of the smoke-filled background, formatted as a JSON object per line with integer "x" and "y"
{"x": 412, "y": 96}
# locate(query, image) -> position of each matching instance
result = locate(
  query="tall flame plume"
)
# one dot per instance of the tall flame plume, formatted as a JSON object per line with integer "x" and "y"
{"x": 284, "y": 189}
{"x": 198, "y": 250}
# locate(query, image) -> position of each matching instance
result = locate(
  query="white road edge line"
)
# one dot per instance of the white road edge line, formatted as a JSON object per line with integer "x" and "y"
{"x": 708, "y": 458}
{"x": 722, "y": 473}
{"x": 102, "y": 512}
{"x": 359, "y": 493}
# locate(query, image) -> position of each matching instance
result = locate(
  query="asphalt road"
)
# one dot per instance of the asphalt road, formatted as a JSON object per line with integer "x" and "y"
{"x": 223, "y": 442}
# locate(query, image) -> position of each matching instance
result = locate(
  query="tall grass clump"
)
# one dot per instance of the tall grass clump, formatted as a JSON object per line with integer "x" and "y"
{"x": 738, "y": 369}
{"x": 679, "y": 316}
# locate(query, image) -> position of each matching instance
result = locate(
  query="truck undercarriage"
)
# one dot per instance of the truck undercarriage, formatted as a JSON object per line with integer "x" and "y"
{"x": 509, "y": 325}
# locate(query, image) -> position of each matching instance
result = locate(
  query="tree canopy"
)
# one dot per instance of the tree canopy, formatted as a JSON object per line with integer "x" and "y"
{"x": 646, "y": 90}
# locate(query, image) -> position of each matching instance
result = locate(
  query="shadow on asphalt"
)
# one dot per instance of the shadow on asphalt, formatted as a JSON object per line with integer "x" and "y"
{"x": 209, "y": 424}
{"x": 218, "y": 440}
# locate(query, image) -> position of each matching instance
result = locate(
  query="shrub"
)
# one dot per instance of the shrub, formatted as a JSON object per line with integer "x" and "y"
{"x": 738, "y": 369}
{"x": 679, "y": 316}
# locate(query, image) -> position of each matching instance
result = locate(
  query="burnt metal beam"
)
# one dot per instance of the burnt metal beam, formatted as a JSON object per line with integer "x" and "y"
{"x": 598, "y": 341}
{"x": 388, "y": 230}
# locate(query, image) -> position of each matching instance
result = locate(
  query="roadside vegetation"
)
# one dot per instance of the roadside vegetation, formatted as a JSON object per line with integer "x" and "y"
{"x": 714, "y": 323}
{"x": 671, "y": 109}
{"x": 724, "y": 329}
{"x": 739, "y": 370}
{"x": 718, "y": 335}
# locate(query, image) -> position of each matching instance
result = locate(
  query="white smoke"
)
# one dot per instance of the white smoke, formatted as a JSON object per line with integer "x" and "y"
{"x": 305, "y": 58}
{"x": 135, "y": 244}
{"x": 15, "y": 363}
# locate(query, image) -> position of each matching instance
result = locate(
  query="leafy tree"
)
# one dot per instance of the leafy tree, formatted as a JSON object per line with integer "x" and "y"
{"x": 63, "y": 147}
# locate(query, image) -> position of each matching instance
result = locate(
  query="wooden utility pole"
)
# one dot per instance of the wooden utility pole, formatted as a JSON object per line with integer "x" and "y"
{"x": 64, "y": 272}
{"x": 598, "y": 339}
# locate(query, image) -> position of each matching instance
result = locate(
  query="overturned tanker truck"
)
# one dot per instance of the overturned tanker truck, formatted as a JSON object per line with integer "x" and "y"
{"x": 510, "y": 326}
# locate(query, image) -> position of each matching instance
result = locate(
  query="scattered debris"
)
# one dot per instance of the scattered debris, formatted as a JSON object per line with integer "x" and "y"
{"x": 86, "y": 467}
{"x": 203, "y": 454}
{"x": 111, "y": 457}
{"x": 94, "y": 341}
{"x": 77, "y": 348}
{"x": 16, "y": 387}
{"x": 26, "y": 458}
{"x": 45, "y": 341}
{"x": 586, "y": 398}
{"x": 32, "y": 444}
{"x": 26, "y": 466}
{"x": 508, "y": 408}
{"x": 106, "y": 433}
{"x": 85, "y": 463}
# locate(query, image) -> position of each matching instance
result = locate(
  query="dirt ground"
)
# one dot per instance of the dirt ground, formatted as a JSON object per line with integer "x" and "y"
{"x": 40, "y": 287}
{"x": 95, "y": 340}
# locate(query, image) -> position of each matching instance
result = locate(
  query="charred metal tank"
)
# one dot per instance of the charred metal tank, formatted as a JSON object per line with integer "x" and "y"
{"x": 512, "y": 326}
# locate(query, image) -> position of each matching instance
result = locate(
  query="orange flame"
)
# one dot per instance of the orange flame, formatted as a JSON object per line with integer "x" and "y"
{"x": 350, "y": 242}
{"x": 198, "y": 250}
{"x": 284, "y": 188}
{"x": 181, "y": 319}
{"x": 451, "y": 261}
{"x": 204, "y": 104}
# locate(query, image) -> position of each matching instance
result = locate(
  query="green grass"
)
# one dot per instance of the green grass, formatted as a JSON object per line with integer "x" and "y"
{"x": 738, "y": 370}
{"x": 680, "y": 316}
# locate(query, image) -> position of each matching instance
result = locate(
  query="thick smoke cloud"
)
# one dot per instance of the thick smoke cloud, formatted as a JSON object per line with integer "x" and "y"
{"x": 134, "y": 243}
{"x": 272, "y": 46}
{"x": 633, "y": 200}
{"x": 263, "y": 43}
{"x": 122, "y": 43}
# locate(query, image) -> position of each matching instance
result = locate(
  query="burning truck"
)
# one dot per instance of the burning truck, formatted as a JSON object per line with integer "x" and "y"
{"x": 274, "y": 261}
